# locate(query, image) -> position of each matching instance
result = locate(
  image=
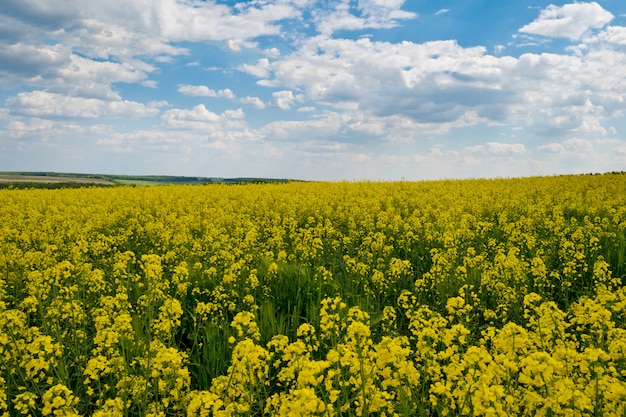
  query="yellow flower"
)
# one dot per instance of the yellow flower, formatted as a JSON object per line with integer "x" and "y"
{"x": 245, "y": 325}
{"x": 24, "y": 403}
{"x": 111, "y": 408}
{"x": 59, "y": 401}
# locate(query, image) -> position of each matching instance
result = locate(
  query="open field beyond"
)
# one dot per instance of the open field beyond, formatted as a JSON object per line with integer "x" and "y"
{"x": 52, "y": 179}
{"x": 442, "y": 298}
{"x": 29, "y": 180}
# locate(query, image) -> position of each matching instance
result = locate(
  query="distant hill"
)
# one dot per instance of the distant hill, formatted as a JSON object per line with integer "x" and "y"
{"x": 70, "y": 180}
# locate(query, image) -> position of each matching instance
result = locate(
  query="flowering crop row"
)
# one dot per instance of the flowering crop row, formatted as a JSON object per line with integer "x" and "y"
{"x": 475, "y": 297}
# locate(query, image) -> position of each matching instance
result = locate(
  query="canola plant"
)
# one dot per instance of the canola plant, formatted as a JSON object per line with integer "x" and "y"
{"x": 445, "y": 298}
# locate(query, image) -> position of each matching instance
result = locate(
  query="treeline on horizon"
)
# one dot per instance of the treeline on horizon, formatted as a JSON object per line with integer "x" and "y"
{"x": 116, "y": 180}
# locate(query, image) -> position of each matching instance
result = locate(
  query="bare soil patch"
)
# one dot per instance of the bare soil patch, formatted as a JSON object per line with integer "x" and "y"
{"x": 47, "y": 179}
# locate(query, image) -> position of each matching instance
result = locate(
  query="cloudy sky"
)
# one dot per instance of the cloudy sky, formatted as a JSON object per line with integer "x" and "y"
{"x": 313, "y": 89}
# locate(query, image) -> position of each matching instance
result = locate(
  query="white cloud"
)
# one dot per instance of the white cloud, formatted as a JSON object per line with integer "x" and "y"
{"x": 157, "y": 104}
{"x": 578, "y": 145}
{"x": 199, "y": 113}
{"x": 431, "y": 82}
{"x": 322, "y": 146}
{"x": 441, "y": 11}
{"x": 255, "y": 101}
{"x": 373, "y": 14}
{"x": 201, "y": 119}
{"x": 283, "y": 99}
{"x": 552, "y": 148}
{"x": 571, "y": 93}
{"x": 260, "y": 69}
{"x": 168, "y": 20}
{"x": 90, "y": 78}
{"x": 31, "y": 62}
{"x": 612, "y": 34}
{"x": 340, "y": 126}
{"x": 237, "y": 45}
{"x": 352, "y": 127}
{"x": 45, "y": 104}
{"x": 20, "y": 128}
{"x": 234, "y": 114}
{"x": 56, "y": 68}
{"x": 272, "y": 52}
{"x": 498, "y": 148}
{"x": 204, "y": 91}
{"x": 569, "y": 21}
{"x": 90, "y": 46}
{"x": 575, "y": 145}
{"x": 103, "y": 38}
{"x": 196, "y": 20}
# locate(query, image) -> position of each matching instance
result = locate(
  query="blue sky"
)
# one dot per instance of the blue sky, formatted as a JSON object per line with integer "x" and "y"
{"x": 313, "y": 89}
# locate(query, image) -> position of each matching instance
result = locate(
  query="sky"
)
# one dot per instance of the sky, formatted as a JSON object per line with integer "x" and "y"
{"x": 313, "y": 89}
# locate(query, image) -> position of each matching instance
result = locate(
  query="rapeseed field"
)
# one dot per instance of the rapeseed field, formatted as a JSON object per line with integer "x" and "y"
{"x": 499, "y": 297}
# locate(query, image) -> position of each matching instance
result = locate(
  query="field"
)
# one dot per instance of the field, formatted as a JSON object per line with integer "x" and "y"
{"x": 50, "y": 181}
{"x": 443, "y": 298}
{"x": 55, "y": 180}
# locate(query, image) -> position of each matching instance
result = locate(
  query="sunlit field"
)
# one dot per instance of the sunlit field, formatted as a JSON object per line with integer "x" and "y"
{"x": 475, "y": 297}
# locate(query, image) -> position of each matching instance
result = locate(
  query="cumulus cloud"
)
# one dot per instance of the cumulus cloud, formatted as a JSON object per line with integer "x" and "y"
{"x": 351, "y": 127}
{"x": 342, "y": 127}
{"x": 57, "y": 68}
{"x": 443, "y": 82}
{"x": 83, "y": 48}
{"x": 255, "y": 101}
{"x": 434, "y": 82}
{"x": 45, "y": 104}
{"x": 578, "y": 145}
{"x": 50, "y": 14}
{"x": 372, "y": 14}
{"x": 498, "y": 148}
{"x": 575, "y": 145}
{"x": 283, "y": 99}
{"x": 169, "y": 20}
{"x": 570, "y": 21}
{"x": 91, "y": 78}
{"x": 30, "y": 61}
{"x": 204, "y": 91}
{"x": 20, "y": 128}
{"x": 260, "y": 69}
{"x": 197, "y": 20}
{"x": 199, "y": 113}
{"x": 615, "y": 35}
{"x": 552, "y": 148}
{"x": 202, "y": 119}
{"x": 237, "y": 45}
{"x": 102, "y": 39}
{"x": 77, "y": 44}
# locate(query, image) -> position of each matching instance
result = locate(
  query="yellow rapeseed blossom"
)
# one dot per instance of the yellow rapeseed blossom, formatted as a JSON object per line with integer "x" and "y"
{"x": 59, "y": 401}
{"x": 479, "y": 297}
